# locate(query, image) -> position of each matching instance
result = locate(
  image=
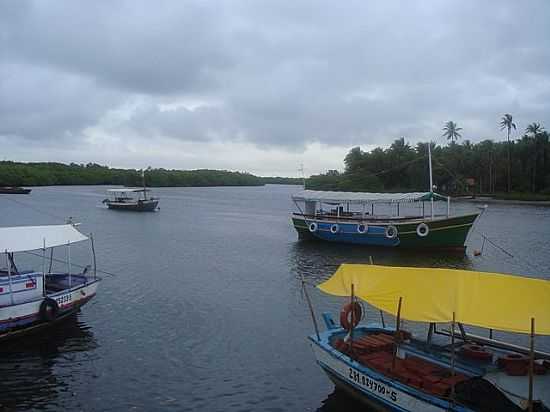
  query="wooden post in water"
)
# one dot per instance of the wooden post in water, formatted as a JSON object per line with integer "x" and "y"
{"x": 531, "y": 363}
{"x": 396, "y": 337}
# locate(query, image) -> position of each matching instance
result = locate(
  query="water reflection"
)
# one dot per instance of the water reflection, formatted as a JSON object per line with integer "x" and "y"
{"x": 32, "y": 368}
{"x": 317, "y": 261}
{"x": 340, "y": 401}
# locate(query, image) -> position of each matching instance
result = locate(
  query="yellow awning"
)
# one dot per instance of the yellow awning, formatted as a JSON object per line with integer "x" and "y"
{"x": 488, "y": 300}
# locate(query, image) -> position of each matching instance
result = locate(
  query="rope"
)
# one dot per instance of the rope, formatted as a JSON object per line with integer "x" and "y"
{"x": 72, "y": 264}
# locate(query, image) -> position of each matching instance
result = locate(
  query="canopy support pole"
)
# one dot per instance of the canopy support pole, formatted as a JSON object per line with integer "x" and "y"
{"x": 371, "y": 261}
{"x": 430, "y": 333}
{"x": 352, "y": 314}
{"x": 44, "y": 268}
{"x": 448, "y": 206}
{"x": 453, "y": 358}
{"x": 93, "y": 255}
{"x": 372, "y": 209}
{"x": 69, "y": 264}
{"x": 398, "y": 209}
{"x": 8, "y": 264}
{"x": 310, "y": 307}
{"x": 431, "y": 178}
{"x": 397, "y": 336}
{"x": 531, "y": 363}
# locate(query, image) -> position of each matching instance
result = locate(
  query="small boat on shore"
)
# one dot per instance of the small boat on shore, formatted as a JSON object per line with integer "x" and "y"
{"x": 390, "y": 369}
{"x": 14, "y": 190}
{"x": 132, "y": 199}
{"x": 32, "y": 300}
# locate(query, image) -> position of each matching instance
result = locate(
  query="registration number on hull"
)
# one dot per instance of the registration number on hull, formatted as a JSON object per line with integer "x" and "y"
{"x": 63, "y": 300}
{"x": 370, "y": 384}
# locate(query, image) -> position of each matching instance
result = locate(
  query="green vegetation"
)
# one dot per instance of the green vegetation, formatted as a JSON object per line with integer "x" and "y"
{"x": 47, "y": 174}
{"x": 465, "y": 168}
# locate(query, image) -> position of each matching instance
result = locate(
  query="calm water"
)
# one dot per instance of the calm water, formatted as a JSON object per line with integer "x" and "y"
{"x": 205, "y": 311}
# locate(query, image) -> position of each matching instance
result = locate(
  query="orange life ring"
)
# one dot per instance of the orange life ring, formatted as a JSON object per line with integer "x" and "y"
{"x": 476, "y": 352}
{"x": 346, "y": 320}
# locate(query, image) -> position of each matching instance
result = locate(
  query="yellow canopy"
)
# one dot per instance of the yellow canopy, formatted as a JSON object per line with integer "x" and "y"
{"x": 488, "y": 300}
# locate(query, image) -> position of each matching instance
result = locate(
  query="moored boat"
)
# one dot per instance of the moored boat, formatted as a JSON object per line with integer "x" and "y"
{"x": 14, "y": 190}
{"x": 31, "y": 300}
{"x": 352, "y": 217}
{"x": 132, "y": 199}
{"x": 389, "y": 369}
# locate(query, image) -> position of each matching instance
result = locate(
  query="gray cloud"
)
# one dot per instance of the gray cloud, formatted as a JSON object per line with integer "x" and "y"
{"x": 273, "y": 74}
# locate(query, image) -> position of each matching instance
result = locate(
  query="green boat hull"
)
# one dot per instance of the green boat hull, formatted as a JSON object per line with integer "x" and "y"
{"x": 442, "y": 233}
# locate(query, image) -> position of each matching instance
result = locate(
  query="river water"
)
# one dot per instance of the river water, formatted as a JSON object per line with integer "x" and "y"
{"x": 205, "y": 309}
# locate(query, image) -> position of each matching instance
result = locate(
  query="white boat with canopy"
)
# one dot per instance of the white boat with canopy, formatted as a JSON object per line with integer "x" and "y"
{"x": 387, "y": 367}
{"x": 32, "y": 299}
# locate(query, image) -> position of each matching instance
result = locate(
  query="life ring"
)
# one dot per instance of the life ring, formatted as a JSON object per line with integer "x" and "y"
{"x": 346, "y": 318}
{"x": 312, "y": 227}
{"x": 334, "y": 229}
{"x": 362, "y": 228}
{"x": 391, "y": 232}
{"x": 477, "y": 352}
{"x": 422, "y": 230}
{"x": 48, "y": 310}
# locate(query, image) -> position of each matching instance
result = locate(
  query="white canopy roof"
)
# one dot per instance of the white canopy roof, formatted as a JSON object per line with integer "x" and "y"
{"x": 364, "y": 197}
{"x": 128, "y": 190}
{"x": 23, "y": 238}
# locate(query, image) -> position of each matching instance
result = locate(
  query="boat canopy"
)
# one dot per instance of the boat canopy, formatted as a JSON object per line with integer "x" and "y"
{"x": 128, "y": 190}
{"x": 25, "y": 238}
{"x": 487, "y": 300}
{"x": 365, "y": 197}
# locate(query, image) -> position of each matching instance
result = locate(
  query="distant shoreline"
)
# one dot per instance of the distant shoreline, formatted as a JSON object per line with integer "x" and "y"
{"x": 483, "y": 199}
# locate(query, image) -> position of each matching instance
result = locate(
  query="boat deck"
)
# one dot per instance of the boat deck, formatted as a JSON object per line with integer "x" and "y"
{"x": 427, "y": 369}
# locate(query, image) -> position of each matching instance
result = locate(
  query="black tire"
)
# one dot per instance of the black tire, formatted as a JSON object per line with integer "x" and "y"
{"x": 48, "y": 310}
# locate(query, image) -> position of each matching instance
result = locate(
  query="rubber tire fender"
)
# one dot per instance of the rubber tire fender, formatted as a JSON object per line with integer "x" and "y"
{"x": 48, "y": 310}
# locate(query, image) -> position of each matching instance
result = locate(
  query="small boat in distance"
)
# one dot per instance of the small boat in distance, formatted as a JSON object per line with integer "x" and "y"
{"x": 388, "y": 368}
{"x": 14, "y": 190}
{"x": 133, "y": 199}
{"x": 31, "y": 300}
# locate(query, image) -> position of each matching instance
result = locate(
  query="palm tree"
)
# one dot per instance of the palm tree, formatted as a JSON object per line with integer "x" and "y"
{"x": 451, "y": 131}
{"x": 506, "y": 123}
{"x": 535, "y": 129}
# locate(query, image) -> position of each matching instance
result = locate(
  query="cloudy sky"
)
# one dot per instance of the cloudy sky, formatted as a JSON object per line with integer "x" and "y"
{"x": 262, "y": 86}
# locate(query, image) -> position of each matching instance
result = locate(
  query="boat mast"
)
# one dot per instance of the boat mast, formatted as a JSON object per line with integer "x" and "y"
{"x": 143, "y": 181}
{"x": 431, "y": 177}
{"x": 301, "y": 169}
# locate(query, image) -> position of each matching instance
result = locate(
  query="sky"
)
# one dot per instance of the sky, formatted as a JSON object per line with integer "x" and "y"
{"x": 262, "y": 86}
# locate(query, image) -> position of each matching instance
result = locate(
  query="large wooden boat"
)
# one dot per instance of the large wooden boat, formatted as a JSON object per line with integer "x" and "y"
{"x": 389, "y": 369}
{"x": 352, "y": 217}
{"x": 381, "y": 219}
{"x": 14, "y": 190}
{"x": 32, "y": 300}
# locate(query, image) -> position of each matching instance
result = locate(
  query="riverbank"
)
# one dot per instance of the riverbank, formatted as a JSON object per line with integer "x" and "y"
{"x": 59, "y": 174}
{"x": 488, "y": 199}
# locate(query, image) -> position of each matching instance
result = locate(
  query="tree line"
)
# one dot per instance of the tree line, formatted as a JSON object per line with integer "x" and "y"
{"x": 488, "y": 167}
{"x": 50, "y": 174}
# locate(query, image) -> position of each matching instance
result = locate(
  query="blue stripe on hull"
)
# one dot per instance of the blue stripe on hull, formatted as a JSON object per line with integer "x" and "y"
{"x": 347, "y": 233}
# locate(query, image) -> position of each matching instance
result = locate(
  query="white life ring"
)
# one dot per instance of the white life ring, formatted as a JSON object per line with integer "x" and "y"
{"x": 391, "y": 232}
{"x": 362, "y": 228}
{"x": 334, "y": 229}
{"x": 422, "y": 230}
{"x": 312, "y": 227}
